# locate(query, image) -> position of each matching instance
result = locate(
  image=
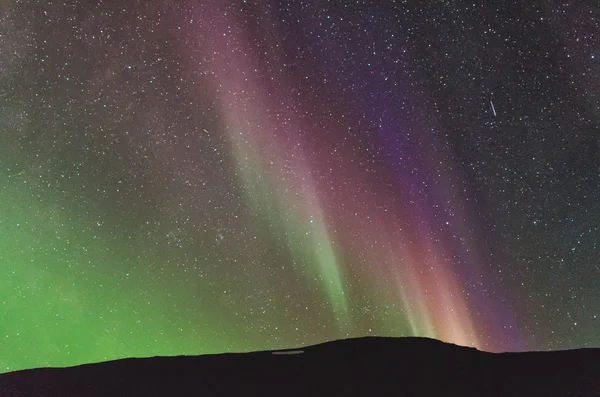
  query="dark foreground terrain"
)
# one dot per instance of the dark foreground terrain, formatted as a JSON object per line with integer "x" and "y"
{"x": 354, "y": 367}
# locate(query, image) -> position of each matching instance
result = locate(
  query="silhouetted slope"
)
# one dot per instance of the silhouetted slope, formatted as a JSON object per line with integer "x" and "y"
{"x": 353, "y": 367}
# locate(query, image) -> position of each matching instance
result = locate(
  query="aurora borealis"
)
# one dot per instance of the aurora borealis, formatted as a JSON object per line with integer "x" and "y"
{"x": 189, "y": 177}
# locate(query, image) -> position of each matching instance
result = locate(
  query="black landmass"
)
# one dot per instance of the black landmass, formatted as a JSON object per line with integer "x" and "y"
{"x": 370, "y": 366}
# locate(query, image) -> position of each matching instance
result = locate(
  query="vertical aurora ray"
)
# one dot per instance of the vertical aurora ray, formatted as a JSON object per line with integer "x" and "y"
{"x": 428, "y": 285}
{"x": 277, "y": 186}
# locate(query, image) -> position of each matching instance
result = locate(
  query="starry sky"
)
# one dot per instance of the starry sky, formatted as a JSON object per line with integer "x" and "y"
{"x": 189, "y": 177}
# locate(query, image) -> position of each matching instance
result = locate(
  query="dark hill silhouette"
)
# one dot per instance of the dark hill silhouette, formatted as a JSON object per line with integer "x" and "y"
{"x": 353, "y": 367}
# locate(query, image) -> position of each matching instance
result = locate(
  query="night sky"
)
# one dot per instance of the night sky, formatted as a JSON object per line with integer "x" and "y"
{"x": 189, "y": 177}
